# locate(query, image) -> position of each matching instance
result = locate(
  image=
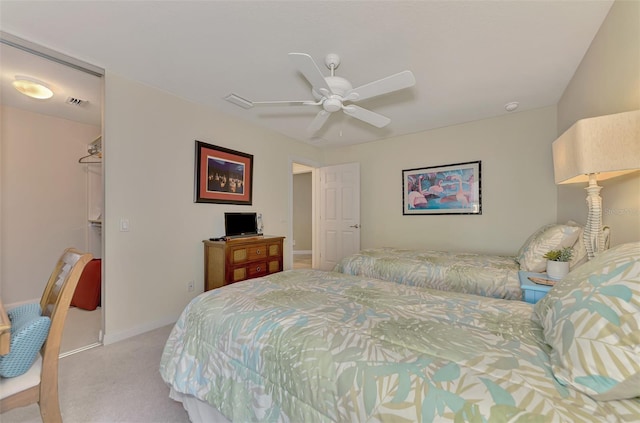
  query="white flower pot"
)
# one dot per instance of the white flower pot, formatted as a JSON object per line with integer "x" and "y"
{"x": 557, "y": 269}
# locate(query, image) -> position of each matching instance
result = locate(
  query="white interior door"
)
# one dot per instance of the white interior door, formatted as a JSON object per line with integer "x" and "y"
{"x": 339, "y": 213}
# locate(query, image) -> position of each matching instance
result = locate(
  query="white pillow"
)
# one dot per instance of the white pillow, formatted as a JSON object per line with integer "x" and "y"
{"x": 591, "y": 320}
{"x": 579, "y": 250}
{"x": 554, "y": 236}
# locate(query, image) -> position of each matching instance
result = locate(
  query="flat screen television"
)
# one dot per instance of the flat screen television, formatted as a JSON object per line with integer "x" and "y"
{"x": 240, "y": 224}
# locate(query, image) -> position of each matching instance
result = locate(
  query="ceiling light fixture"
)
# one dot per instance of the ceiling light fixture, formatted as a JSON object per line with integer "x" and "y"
{"x": 510, "y": 107}
{"x": 32, "y": 87}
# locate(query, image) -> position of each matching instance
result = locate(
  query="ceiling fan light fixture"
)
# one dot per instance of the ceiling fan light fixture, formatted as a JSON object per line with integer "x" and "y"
{"x": 332, "y": 104}
{"x": 32, "y": 87}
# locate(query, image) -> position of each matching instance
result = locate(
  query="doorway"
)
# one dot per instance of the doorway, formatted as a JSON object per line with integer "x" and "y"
{"x": 302, "y": 215}
{"x": 325, "y": 203}
{"x": 43, "y": 142}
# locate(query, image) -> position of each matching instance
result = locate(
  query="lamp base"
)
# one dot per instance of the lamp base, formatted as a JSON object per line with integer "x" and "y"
{"x": 593, "y": 234}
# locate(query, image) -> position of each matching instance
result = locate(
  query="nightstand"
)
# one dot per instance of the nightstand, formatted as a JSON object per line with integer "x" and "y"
{"x": 531, "y": 291}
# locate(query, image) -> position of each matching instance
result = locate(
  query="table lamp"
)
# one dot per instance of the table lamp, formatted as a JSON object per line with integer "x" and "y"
{"x": 592, "y": 150}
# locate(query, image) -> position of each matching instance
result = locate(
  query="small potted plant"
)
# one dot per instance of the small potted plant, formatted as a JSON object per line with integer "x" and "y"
{"x": 558, "y": 262}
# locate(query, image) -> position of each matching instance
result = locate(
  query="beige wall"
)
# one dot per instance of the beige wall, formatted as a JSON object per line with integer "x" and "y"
{"x": 607, "y": 81}
{"x": 302, "y": 208}
{"x": 518, "y": 192}
{"x": 149, "y": 174}
{"x": 43, "y": 198}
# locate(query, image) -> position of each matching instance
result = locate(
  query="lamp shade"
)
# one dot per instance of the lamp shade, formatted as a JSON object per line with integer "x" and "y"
{"x": 608, "y": 146}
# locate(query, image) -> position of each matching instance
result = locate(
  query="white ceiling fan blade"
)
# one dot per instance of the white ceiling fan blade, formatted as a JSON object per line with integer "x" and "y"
{"x": 318, "y": 121}
{"x": 309, "y": 69}
{"x": 386, "y": 85}
{"x": 372, "y": 118}
{"x": 287, "y": 103}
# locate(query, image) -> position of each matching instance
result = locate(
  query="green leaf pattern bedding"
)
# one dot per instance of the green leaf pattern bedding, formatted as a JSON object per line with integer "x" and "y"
{"x": 487, "y": 275}
{"x": 312, "y": 346}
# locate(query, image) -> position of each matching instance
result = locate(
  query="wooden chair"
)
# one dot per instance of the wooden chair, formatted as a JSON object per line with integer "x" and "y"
{"x": 40, "y": 383}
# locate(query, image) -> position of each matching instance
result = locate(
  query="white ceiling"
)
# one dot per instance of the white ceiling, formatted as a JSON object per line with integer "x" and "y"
{"x": 65, "y": 82}
{"x": 469, "y": 58}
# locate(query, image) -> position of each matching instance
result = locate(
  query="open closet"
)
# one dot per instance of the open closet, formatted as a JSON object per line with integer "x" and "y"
{"x": 83, "y": 329}
{"x": 51, "y": 177}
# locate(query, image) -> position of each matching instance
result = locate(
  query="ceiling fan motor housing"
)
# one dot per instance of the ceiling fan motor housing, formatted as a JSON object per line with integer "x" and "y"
{"x": 332, "y": 104}
{"x": 339, "y": 86}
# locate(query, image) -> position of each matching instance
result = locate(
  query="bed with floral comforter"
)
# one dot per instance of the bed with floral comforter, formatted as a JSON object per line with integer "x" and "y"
{"x": 481, "y": 274}
{"x": 312, "y": 346}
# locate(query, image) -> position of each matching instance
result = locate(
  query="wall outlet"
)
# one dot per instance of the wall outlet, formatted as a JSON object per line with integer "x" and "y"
{"x": 294, "y": 242}
{"x": 190, "y": 286}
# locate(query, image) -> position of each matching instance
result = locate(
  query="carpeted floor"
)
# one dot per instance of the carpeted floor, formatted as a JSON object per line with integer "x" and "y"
{"x": 115, "y": 383}
{"x": 81, "y": 329}
{"x": 302, "y": 261}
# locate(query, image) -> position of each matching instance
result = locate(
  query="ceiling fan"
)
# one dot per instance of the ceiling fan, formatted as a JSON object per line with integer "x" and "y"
{"x": 332, "y": 92}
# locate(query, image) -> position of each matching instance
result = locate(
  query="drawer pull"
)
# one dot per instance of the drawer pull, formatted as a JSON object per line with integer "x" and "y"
{"x": 258, "y": 268}
{"x": 258, "y": 251}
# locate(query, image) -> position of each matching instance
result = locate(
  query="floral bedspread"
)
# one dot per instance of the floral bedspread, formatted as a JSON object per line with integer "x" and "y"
{"x": 312, "y": 346}
{"x": 487, "y": 275}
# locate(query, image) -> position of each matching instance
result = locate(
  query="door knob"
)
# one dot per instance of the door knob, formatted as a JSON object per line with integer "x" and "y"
{"x": 354, "y": 226}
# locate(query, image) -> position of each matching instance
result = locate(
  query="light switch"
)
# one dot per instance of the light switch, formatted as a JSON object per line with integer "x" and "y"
{"x": 124, "y": 225}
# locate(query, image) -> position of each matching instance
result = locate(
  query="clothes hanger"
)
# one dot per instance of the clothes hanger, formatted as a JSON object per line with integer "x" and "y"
{"x": 82, "y": 159}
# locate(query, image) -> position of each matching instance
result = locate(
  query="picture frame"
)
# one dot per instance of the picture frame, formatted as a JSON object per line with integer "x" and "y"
{"x": 222, "y": 175}
{"x": 447, "y": 189}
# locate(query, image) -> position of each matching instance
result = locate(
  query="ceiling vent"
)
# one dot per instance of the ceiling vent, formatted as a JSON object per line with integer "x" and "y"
{"x": 76, "y": 101}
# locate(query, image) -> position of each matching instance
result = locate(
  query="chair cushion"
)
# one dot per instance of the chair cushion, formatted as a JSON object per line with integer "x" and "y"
{"x": 591, "y": 319}
{"x": 13, "y": 385}
{"x": 29, "y": 330}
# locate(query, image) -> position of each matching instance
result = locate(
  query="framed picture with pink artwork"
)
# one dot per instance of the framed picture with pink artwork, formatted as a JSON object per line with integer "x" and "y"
{"x": 447, "y": 189}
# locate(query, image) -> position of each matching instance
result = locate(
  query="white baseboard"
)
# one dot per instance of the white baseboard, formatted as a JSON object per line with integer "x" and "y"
{"x": 302, "y": 252}
{"x": 110, "y": 338}
{"x": 119, "y": 336}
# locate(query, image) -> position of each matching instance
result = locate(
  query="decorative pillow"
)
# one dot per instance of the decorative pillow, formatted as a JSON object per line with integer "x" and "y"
{"x": 29, "y": 330}
{"x": 87, "y": 293}
{"x": 591, "y": 319}
{"x": 579, "y": 250}
{"x": 550, "y": 237}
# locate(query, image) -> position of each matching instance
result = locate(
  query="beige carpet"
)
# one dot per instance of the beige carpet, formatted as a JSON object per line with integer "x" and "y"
{"x": 114, "y": 383}
{"x": 302, "y": 261}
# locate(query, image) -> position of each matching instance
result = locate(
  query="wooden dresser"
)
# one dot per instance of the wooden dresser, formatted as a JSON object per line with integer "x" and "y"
{"x": 235, "y": 260}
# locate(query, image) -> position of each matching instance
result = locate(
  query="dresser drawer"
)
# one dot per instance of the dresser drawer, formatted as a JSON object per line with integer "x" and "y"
{"x": 257, "y": 269}
{"x": 249, "y": 253}
{"x": 248, "y": 271}
{"x": 257, "y": 252}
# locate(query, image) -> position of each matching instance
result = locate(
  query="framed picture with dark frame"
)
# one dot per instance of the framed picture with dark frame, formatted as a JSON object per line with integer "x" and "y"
{"x": 447, "y": 189}
{"x": 222, "y": 175}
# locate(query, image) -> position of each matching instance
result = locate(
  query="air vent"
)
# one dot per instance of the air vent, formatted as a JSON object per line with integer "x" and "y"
{"x": 239, "y": 101}
{"x": 76, "y": 101}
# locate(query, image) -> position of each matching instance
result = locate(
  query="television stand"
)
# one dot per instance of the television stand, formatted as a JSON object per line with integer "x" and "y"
{"x": 238, "y": 259}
